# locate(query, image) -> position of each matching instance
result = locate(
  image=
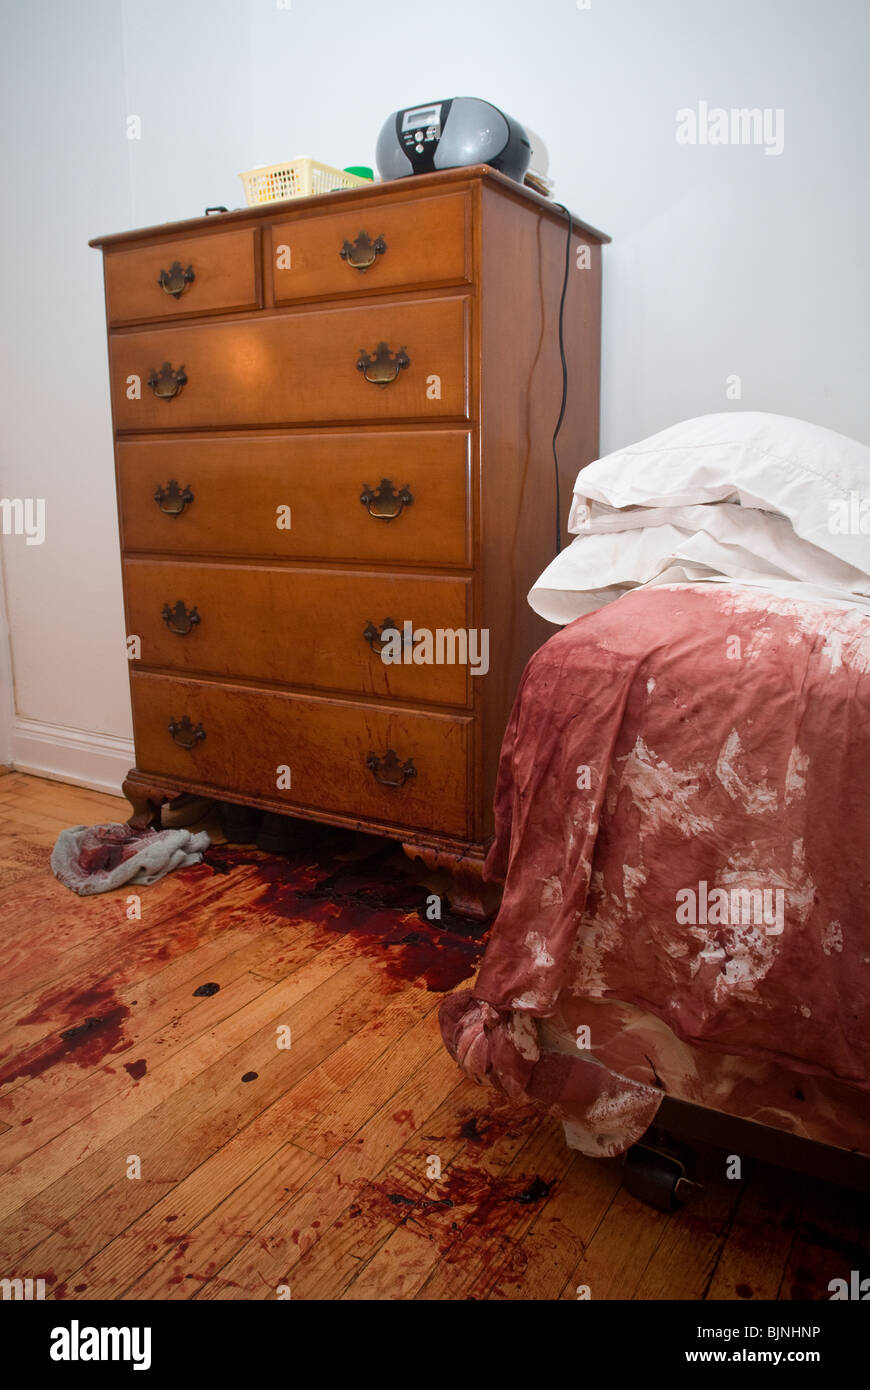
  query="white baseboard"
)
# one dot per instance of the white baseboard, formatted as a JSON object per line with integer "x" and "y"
{"x": 97, "y": 761}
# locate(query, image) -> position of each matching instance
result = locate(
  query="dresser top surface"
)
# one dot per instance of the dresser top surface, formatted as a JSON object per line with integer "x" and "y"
{"x": 405, "y": 188}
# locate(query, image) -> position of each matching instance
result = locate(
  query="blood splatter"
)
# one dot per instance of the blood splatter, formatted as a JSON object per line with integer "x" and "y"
{"x": 94, "y": 1018}
{"x": 507, "y": 1122}
{"x": 74, "y": 1034}
{"x": 206, "y": 991}
{"x": 136, "y": 1069}
{"x": 478, "y": 1197}
{"x": 250, "y": 1076}
{"x": 536, "y": 1191}
{"x": 376, "y": 898}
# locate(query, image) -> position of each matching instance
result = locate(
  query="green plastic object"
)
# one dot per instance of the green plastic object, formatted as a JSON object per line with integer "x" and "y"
{"x": 361, "y": 170}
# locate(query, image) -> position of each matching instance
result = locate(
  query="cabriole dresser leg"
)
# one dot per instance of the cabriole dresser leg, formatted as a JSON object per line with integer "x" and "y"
{"x": 468, "y": 894}
{"x": 146, "y": 801}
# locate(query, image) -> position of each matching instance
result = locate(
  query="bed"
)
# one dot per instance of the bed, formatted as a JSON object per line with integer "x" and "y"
{"x": 683, "y": 807}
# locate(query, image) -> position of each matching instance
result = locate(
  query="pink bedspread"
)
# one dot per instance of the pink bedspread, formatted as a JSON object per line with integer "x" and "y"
{"x": 683, "y": 826}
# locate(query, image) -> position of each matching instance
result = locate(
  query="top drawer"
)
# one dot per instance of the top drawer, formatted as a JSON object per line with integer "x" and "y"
{"x": 196, "y": 275}
{"x": 373, "y": 247}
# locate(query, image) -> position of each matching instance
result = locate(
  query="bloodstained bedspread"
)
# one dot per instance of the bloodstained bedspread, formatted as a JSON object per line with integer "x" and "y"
{"x": 683, "y": 830}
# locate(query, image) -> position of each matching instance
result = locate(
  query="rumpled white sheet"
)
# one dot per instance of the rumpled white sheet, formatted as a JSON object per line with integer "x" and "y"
{"x": 618, "y": 549}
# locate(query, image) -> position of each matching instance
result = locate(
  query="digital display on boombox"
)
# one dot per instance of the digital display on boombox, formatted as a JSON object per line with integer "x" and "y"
{"x": 421, "y": 117}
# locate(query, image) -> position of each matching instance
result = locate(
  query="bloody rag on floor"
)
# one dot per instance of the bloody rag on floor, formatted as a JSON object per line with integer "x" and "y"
{"x": 97, "y": 858}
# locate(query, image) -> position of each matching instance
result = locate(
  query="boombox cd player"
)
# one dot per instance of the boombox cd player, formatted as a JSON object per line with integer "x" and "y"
{"x": 449, "y": 134}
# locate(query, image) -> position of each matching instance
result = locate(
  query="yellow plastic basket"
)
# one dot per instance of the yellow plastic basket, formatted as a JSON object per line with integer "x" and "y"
{"x": 298, "y": 178}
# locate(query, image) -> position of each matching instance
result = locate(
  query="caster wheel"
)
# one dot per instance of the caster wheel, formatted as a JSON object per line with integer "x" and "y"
{"x": 657, "y": 1178}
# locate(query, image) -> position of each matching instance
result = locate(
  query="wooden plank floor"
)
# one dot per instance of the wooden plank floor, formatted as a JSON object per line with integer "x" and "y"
{"x": 181, "y": 1153}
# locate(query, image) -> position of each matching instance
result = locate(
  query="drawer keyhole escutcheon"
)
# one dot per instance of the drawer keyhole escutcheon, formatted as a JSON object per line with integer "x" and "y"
{"x": 174, "y": 281}
{"x": 172, "y": 499}
{"x": 178, "y": 619}
{"x": 384, "y": 367}
{"x": 385, "y": 502}
{"x": 184, "y": 733}
{"x": 167, "y": 382}
{"x": 389, "y": 771}
{"x": 375, "y": 636}
{"x": 363, "y": 252}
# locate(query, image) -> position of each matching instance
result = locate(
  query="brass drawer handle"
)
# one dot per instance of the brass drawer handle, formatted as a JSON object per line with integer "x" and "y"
{"x": 363, "y": 252}
{"x": 174, "y": 281}
{"x": 375, "y": 636}
{"x": 185, "y": 734}
{"x": 389, "y": 771}
{"x": 384, "y": 367}
{"x": 178, "y": 619}
{"x": 387, "y": 502}
{"x": 172, "y": 499}
{"x": 167, "y": 382}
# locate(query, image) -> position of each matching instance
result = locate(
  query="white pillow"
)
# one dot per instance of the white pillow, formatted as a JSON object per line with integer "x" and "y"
{"x": 818, "y": 479}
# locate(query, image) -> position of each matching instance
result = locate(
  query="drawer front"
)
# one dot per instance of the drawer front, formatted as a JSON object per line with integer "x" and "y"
{"x": 299, "y": 497}
{"x": 292, "y": 368}
{"x": 371, "y": 248}
{"x": 319, "y": 629}
{"x": 242, "y": 739}
{"x": 198, "y": 275}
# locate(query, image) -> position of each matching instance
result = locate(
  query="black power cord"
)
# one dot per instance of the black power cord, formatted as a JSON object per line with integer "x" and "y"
{"x": 564, "y": 373}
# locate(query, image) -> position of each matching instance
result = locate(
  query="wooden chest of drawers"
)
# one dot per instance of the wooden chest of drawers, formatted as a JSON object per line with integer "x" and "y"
{"x": 333, "y": 422}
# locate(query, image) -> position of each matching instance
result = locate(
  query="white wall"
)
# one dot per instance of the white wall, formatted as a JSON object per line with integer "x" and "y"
{"x": 724, "y": 260}
{"x": 7, "y": 706}
{"x": 70, "y": 74}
